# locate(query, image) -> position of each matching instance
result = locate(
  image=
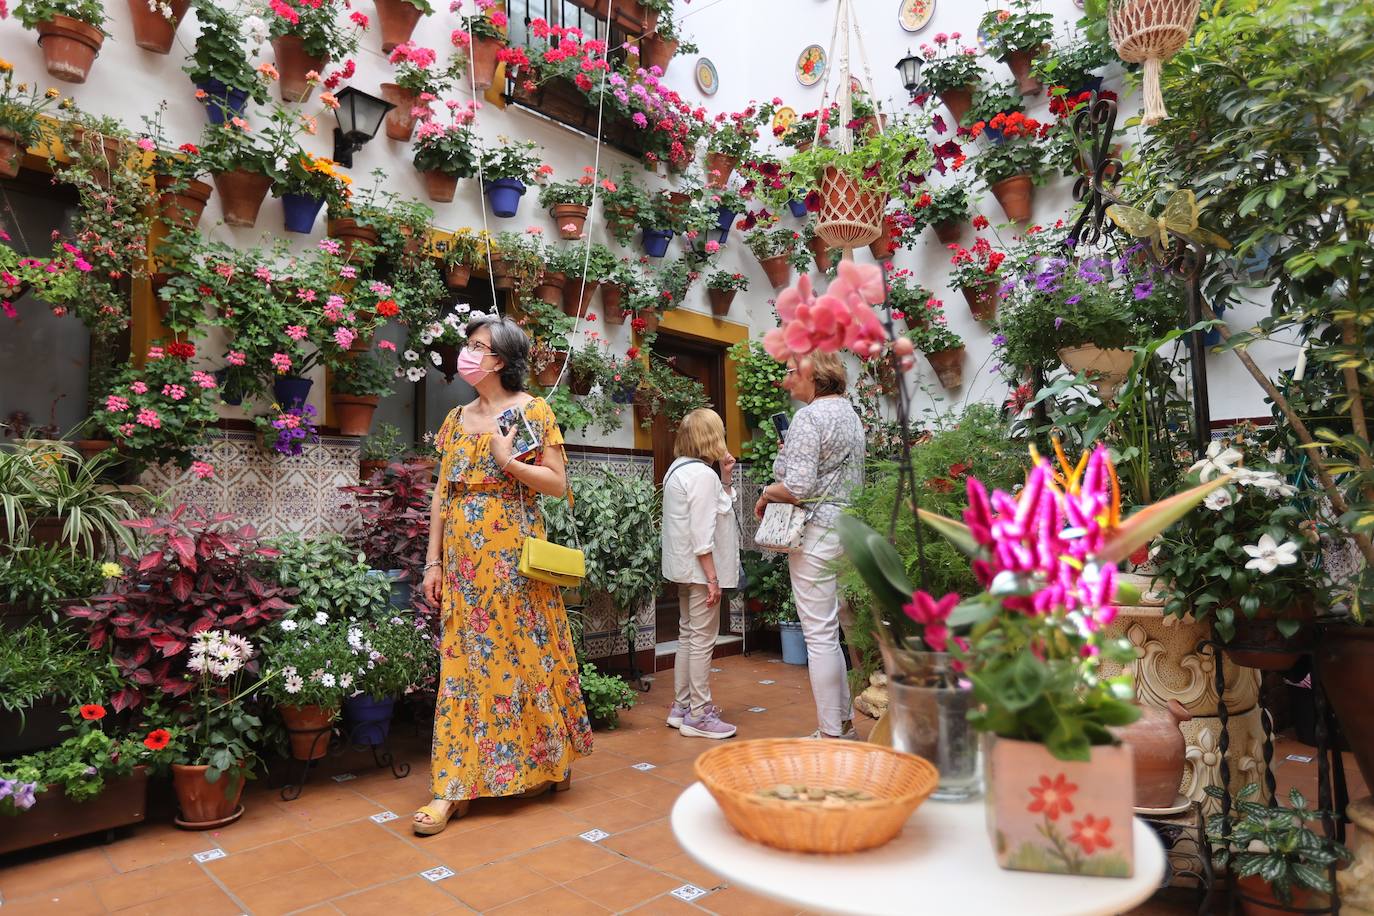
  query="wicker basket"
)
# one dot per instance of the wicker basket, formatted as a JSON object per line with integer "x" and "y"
{"x": 850, "y": 216}
{"x": 735, "y": 772}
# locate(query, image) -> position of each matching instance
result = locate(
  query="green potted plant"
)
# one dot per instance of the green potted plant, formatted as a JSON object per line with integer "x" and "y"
{"x": 1011, "y": 168}
{"x": 307, "y": 661}
{"x": 507, "y": 167}
{"x": 242, "y": 169}
{"x": 951, "y": 72}
{"x": 731, "y": 139}
{"x": 357, "y": 385}
{"x": 305, "y": 185}
{"x": 305, "y": 38}
{"x": 774, "y": 247}
{"x": 463, "y": 252}
{"x": 159, "y": 413}
{"x": 446, "y": 152}
{"x": 517, "y": 262}
{"x": 22, "y": 107}
{"x": 70, "y": 32}
{"x": 586, "y": 268}
{"x": 759, "y": 379}
{"x": 51, "y": 495}
{"x": 944, "y": 349}
{"x": 549, "y": 328}
{"x": 977, "y": 272}
{"x": 182, "y": 196}
{"x": 43, "y": 670}
{"x": 624, "y": 199}
{"x": 1073, "y": 65}
{"x": 990, "y": 100}
{"x": 657, "y": 48}
{"x": 721, "y": 287}
{"x": 220, "y": 67}
{"x": 606, "y": 695}
{"x": 418, "y": 82}
{"x": 625, "y": 276}
{"x": 945, "y": 209}
{"x": 586, "y": 364}
{"x": 1016, "y": 36}
{"x": 36, "y": 580}
{"x": 391, "y": 657}
{"x": 482, "y": 35}
{"x": 666, "y": 391}
{"x": 379, "y": 449}
{"x": 567, "y": 203}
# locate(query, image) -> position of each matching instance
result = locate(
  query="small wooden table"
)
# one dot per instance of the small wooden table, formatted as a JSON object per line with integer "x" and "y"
{"x": 941, "y": 863}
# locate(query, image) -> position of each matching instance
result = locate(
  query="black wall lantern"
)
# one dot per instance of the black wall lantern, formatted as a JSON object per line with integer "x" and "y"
{"x": 359, "y": 115}
{"x": 910, "y": 69}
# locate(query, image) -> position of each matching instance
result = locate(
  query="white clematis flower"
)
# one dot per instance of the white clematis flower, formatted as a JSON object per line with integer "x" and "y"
{"x": 1268, "y": 555}
{"x": 1218, "y": 461}
{"x": 1219, "y": 499}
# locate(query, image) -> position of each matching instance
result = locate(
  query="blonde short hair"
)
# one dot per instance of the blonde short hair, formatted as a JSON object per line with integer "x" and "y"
{"x": 701, "y": 434}
{"x": 828, "y": 373}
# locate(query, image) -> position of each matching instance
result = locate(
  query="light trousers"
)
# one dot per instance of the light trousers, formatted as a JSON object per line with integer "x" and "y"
{"x": 816, "y": 591}
{"x": 697, "y": 625}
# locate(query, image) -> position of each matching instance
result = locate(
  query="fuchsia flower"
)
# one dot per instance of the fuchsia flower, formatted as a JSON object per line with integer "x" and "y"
{"x": 202, "y": 470}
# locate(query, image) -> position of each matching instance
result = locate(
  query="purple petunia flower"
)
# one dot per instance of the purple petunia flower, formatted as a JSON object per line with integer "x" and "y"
{"x": 1058, "y": 322}
{"x": 1143, "y": 289}
{"x": 998, "y": 339}
{"x": 1073, "y": 300}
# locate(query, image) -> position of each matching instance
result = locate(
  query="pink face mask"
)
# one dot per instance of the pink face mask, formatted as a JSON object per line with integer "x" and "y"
{"x": 470, "y": 366}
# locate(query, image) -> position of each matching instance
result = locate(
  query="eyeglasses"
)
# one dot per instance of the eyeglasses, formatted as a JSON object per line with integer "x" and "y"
{"x": 479, "y": 347}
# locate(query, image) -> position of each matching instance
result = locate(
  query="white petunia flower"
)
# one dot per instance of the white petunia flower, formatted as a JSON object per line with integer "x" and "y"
{"x": 1218, "y": 461}
{"x": 321, "y": 618}
{"x": 462, "y": 308}
{"x": 434, "y": 357}
{"x": 411, "y": 356}
{"x": 288, "y": 625}
{"x": 1268, "y": 555}
{"x": 426, "y": 338}
{"x": 415, "y": 373}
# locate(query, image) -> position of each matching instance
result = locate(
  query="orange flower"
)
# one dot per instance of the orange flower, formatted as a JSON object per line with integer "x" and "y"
{"x": 1091, "y": 834}
{"x": 1052, "y": 797}
{"x": 157, "y": 739}
{"x": 92, "y": 712}
{"x": 328, "y": 100}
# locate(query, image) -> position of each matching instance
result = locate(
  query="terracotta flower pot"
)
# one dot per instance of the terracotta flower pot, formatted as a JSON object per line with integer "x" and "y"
{"x": 821, "y": 252}
{"x": 851, "y": 215}
{"x": 718, "y": 169}
{"x": 621, "y": 218}
{"x": 205, "y": 805}
{"x": 720, "y": 300}
{"x": 95, "y": 144}
{"x": 181, "y": 206}
{"x": 577, "y": 295}
{"x": 656, "y": 52}
{"x": 1020, "y": 64}
{"x": 11, "y": 153}
{"x": 948, "y": 366}
{"x": 456, "y": 276}
{"x": 958, "y": 100}
{"x": 1108, "y": 368}
{"x": 400, "y": 123}
{"x": 982, "y": 300}
{"x": 778, "y": 270}
{"x": 152, "y": 31}
{"x": 241, "y": 194}
{"x": 353, "y": 413}
{"x": 1345, "y": 660}
{"x": 565, "y": 215}
{"x": 651, "y": 320}
{"x": 89, "y": 448}
{"x": 1258, "y": 643}
{"x": 69, "y": 47}
{"x": 348, "y": 233}
{"x": 550, "y": 288}
{"x": 484, "y": 51}
{"x": 310, "y": 730}
{"x": 580, "y": 382}
{"x": 293, "y": 63}
{"x": 1257, "y": 898}
{"x": 367, "y": 467}
{"x": 949, "y": 231}
{"x": 397, "y": 20}
{"x": 881, "y": 247}
{"x": 611, "y": 294}
{"x": 1014, "y": 194}
{"x": 1157, "y": 751}
{"x": 440, "y": 187}
{"x": 549, "y": 375}
{"x": 500, "y": 274}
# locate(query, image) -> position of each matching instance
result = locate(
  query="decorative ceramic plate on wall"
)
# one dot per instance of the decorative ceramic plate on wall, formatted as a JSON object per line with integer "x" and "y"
{"x": 783, "y": 118}
{"x": 914, "y": 14}
{"x": 708, "y": 81}
{"x": 811, "y": 65}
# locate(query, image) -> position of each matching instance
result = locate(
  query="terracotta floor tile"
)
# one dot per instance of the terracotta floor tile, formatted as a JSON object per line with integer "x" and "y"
{"x": 207, "y": 902}
{"x": 734, "y": 901}
{"x": 598, "y": 763}
{"x": 553, "y": 901}
{"x": 680, "y": 773}
{"x": 582, "y": 795}
{"x": 323, "y": 806}
{"x": 76, "y": 900}
{"x": 296, "y": 891}
{"x": 344, "y": 840}
{"x": 623, "y": 885}
{"x": 569, "y": 860}
{"x": 613, "y": 783}
{"x": 462, "y": 851}
{"x": 40, "y": 874}
{"x": 685, "y": 867}
{"x": 149, "y": 884}
{"x": 491, "y": 886}
{"x": 615, "y": 816}
{"x": 241, "y": 869}
{"x": 668, "y": 905}
{"x": 394, "y": 860}
{"x": 660, "y": 801}
{"x": 411, "y": 897}
{"x": 649, "y": 845}
{"x": 156, "y": 844}
{"x": 251, "y": 832}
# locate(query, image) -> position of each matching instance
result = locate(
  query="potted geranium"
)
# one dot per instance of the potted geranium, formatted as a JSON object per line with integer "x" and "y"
{"x": 558, "y": 263}
{"x": 1016, "y": 36}
{"x": 1012, "y": 167}
{"x": 775, "y": 248}
{"x": 990, "y": 100}
{"x": 219, "y": 66}
{"x": 182, "y": 196}
{"x": 242, "y": 170}
{"x": 585, "y": 269}
{"x": 549, "y": 328}
{"x": 306, "y": 36}
{"x": 155, "y": 23}
{"x": 70, "y": 32}
{"x": 159, "y": 412}
{"x": 944, "y": 209}
{"x": 661, "y": 220}
{"x": 22, "y": 108}
{"x": 952, "y": 73}
{"x": 623, "y": 200}
{"x": 305, "y": 185}
{"x": 657, "y": 48}
{"x": 585, "y": 365}
{"x": 506, "y": 168}
{"x": 397, "y": 20}
{"x": 943, "y": 348}
{"x": 517, "y": 261}
{"x": 732, "y": 139}
{"x": 978, "y": 274}
{"x": 356, "y": 387}
{"x": 482, "y": 35}
{"x": 445, "y": 153}
{"x": 568, "y": 202}
{"x": 721, "y": 287}
{"x": 417, "y": 84}
{"x": 1073, "y": 66}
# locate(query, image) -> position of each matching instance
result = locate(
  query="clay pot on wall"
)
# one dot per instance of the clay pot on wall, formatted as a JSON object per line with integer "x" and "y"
{"x": 577, "y": 295}
{"x": 153, "y": 31}
{"x": 241, "y": 194}
{"x": 656, "y": 52}
{"x": 550, "y": 287}
{"x": 353, "y": 413}
{"x": 949, "y": 232}
{"x": 548, "y": 376}
{"x": 1020, "y": 64}
{"x": 569, "y": 215}
{"x": 484, "y": 51}
{"x": 348, "y": 233}
{"x": 611, "y": 294}
{"x": 821, "y": 252}
{"x": 456, "y": 276}
{"x": 720, "y": 301}
{"x": 718, "y": 169}
{"x": 1158, "y": 751}
{"x": 440, "y": 187}
{"x": 69, "y": 47}
{"x": 881, "y": 247}
{"x": 778, "y": 270}
{"x": 958, "y": 100}
{"x": 293, "y": 63}
{"x": 982, "y": 300}
{"x": 11, "y": 153}
{"x": 400, "y": 123}
{"x": 948, "y": 366}
{"x": 1015, "y": 195}
{"x": 181, "y": 206}
{"x": 396, "y": 19}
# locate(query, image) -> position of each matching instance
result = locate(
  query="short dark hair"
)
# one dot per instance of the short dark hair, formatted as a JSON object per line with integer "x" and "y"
{"x": 508, "y": 341}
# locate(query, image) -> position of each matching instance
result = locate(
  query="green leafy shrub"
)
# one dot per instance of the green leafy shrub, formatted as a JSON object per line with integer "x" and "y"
{"x": 606, "y": 695}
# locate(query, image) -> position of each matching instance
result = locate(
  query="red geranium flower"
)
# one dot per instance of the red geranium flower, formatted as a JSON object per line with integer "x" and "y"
{"x": 181, "y": 349}
{"x": 92, "y": 711}
{"x": 157, "y": 739}
{"x": 388, "y": 308}
{"x": 1052, "y": 797}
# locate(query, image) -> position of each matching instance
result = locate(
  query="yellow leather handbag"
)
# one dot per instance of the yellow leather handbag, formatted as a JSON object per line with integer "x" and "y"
{"x": 553, "y": 563}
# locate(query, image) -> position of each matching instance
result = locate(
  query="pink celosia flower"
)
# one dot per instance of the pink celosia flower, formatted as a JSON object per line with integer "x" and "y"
{"x": 931, "y": 615}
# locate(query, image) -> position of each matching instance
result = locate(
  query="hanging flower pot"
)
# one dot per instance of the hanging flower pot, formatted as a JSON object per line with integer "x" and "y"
{"x": 881, "y": 247}
{"x": 440, "y": 186}
{"x": 348, "y": 232}
{"x": 981, "y": 299}
{"x": 241, "y": 194}
{"x": 94, "y": 144}
{"x": 1258, "y": 643}
{"x": 69, "y": 47}
{"x": 291, "y": 390}
{"x": 448, "y": 360}
{"x": 10, "y": 153}
{"x": 949, "y": 231}
{"x": 369, "y": 718}
{"x": 718, "y": 168}
{"x": 577, "y": 295}
{"x": 611, "y": 294}
{"x": 456, "y": 276}
{"x": 152, "y": 30}
{"x": 569, "y": 215}
{"x": 656, "y": 51}
{"x": 221, "y": 102}
{"x": 501, "y": 277}
{"x": 720, "y": 300}
{"x": 504, "y": 195}
{"x": 484, "y": 51}
{"x": 181, "y": 203}
{"x": 293, "y": 63}
{"x": 958, "y": 100}
{"x": 548, "y": 376}
{"x": 205, "y": 805}
{"x": 851, "y": 215}
{"x": 1107, "y": 368}
{"x": 798, "y": 208}
{"x": 1150, "y": 32}
{"x": 778, "y": 270}
{"x": 309, "y": 728}
{"x": 948, "y": 366}
{"x": 820, "y": 251}
{"x": 580, "y": 382}
{"x": 656, "y": 241}
{"x": 621, "y": 219}
{"x": 299, "y": 211}
{"x": 550, "y": 288}
{"x": 650, "y": 319}
{"x": 1014, "y": 194}
{"x": 400, "y": 123}
{"x": 353, "y": 413}
{"x": 1020, "y": 64}
{"x": 397, "y": 20}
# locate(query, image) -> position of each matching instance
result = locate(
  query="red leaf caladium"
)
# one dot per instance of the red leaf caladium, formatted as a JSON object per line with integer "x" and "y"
{"x": 197, "y": 572}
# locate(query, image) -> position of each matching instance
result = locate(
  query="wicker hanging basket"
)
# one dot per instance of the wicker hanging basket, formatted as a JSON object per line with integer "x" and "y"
{"x": 850, "y": 216}
{"x": 1150, "y": 32}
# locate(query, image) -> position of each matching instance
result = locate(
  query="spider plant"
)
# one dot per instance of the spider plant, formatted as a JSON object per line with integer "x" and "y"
{"x": 55, "y": 481}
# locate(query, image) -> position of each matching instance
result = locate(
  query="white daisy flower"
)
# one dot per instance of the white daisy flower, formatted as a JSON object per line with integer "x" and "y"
{"x": 327, "y": 680}
{"x": 345, "y": 681}
{"x": 288, "y": 625}
{"x": 1268, "y": 555}
{"x": 294, "y": 683}
{"x": 321, "y": 618}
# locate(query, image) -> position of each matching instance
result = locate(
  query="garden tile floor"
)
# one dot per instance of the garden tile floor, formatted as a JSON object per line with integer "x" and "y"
{"x": 322, "y": 853}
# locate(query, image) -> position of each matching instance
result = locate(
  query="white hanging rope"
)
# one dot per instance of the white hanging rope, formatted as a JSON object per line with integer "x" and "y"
{"x": 481, "y": 182}
{"x": 829, "y": 56}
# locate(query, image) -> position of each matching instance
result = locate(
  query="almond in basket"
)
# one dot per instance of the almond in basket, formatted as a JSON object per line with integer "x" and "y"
{"x": 815, "y": 795}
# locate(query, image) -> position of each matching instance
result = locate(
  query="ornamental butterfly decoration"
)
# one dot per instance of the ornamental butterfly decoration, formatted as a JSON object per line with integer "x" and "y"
{"x": 811, "y": 65}
{"x": 913, "y": 15}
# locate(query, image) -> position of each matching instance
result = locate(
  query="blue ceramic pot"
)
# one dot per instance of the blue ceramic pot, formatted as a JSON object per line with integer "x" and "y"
{"x": 798, "y": 208}
{"x": 656, "y": 242}
{"x": 369, "y": 718}
{"x": 221, "y": 102}
{"x": 229, "y": 394}
{"x": 299, "y": 211}
{"x": 504, "y": 195}
{"x": 291, "y": 390}
{"x": 793, "y": 643}
{"x": 993, "y": 133}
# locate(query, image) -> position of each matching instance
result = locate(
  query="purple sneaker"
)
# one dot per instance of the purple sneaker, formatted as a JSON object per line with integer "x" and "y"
{"x": 676, "y": 713}
{"x": 707, "y": 725}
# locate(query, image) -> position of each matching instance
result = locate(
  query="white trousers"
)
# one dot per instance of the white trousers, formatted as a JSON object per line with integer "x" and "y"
{"x": 696, "y": 643}
{"x": 816, "y": 590}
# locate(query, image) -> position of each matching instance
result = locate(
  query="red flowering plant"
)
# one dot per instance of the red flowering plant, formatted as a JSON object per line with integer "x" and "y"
{"x": 801, "y": 132}
{"x": 1021, "y": 150}
{"x": 735, "y": 134}
{"x": 449, "y": 147}
{"x": 928, "y": 328}
{"x": 557, "y": 53}
{"x": 487, "y": 21}
{"x": 973, "y": 267}
{"x": 948, "y": 66}
{"x": 159, "y": 411}
{"x": 317, "y": 23}
{"x": 196, "y": 572}
{"x": 417, "y": 70}
{"x": 928, "y": 205}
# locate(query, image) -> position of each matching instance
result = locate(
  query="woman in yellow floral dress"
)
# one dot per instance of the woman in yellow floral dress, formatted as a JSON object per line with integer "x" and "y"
{"x": 509, "y": 719}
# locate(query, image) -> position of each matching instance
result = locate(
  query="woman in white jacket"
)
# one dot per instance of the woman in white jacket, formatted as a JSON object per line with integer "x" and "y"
{"x": 701, "y": 554}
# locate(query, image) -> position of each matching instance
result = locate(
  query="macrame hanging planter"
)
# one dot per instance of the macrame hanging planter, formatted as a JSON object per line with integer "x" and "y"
{"x": 1150, "y": 32}
{"x": 851, "y": 214}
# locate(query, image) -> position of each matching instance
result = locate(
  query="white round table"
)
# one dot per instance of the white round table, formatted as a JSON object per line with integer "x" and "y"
{"x": 941, "y": 863}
